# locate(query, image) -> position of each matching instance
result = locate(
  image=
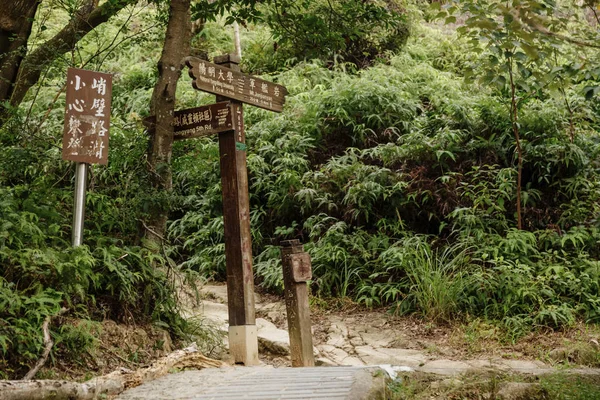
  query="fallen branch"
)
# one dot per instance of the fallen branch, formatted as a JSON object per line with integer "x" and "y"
{"x": 48, "y": 343}
{"x": 107, "y": 385}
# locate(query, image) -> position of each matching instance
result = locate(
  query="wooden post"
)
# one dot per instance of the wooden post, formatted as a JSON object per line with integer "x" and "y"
{"x": 243, "y": 340}
{"x": 296, "y": 271}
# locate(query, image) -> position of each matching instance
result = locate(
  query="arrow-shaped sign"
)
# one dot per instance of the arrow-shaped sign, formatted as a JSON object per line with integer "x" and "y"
{"x": 219, "y": 80}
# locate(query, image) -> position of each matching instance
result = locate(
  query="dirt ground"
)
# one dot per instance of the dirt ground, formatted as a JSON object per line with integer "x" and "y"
{"x": 132, "y": 347}
{"x": 116, "y": 346}
{"x": 577, "y": 345}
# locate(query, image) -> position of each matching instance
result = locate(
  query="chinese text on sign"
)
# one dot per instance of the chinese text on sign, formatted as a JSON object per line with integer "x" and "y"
{"x": 87, "y": 116}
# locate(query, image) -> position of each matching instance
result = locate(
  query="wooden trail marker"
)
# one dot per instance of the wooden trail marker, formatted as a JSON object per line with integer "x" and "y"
{"x": 243, "y": 336}
{"x": 199, "y": 122}
{"x": 85, "y": 136}
{"x": 296, "y": 271}
{"x": 224, "y": 79}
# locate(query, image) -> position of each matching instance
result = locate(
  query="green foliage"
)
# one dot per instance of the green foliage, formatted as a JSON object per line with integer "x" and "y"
{"x": 41, "y": 274}
{"x": 267, "y": 267}
{"x": 559, "y": 386}
{"x": 374, "y": 160}
{"x": 563, "y": 387}
{"x": 434, "y": 281}
{"x": 399, "y": 176}
{"x": 353, "y": 31}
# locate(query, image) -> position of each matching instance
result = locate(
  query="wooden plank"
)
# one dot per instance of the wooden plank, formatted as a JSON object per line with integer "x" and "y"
{"x": 236, "y": 219}
{"x": 229, "y": 82}
{"x": 200, "y": 121}
{"x": 87, "y": 116}
{"x": 296, "y": 303}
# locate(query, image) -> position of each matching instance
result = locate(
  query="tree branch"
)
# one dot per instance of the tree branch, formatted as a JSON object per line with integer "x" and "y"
{"x": 48, "y": 343}
{"x": 85, "y": 20}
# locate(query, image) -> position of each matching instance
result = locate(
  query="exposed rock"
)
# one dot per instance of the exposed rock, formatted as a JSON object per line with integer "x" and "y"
{"x": 338, "y": 356}
{"x": 518, "y": 391}
{"x": 369, "y": 384}
{"x": 336, "y": 339}
{"x": 215, "y": 292}
{"x": 445, "y": 367}
{"x": 377, "y": 338}
{"x": 485, "y": 365}
{"x": 526, "y": 367}
{"x": 559, "y": 354}
{"x": 445, "y": 384}
{"x": 326, "y": 348}
{"x": 372, "y": 356}
{"x": 271, "y": 338}
{"x": 324, "y": 362}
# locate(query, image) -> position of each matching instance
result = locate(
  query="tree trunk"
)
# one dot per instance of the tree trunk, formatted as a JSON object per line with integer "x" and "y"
{"x": 88, "y": 17}
{"x": 175, "y": 48}
{"x": 514, "y": 118}
{"x": 16, "y": 20}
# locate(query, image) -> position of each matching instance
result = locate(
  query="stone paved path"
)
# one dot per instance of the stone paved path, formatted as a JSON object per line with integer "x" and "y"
{"x": 355, "y": 343}
{"x": 263, "y": 383}
{"x": 352, "y": 359}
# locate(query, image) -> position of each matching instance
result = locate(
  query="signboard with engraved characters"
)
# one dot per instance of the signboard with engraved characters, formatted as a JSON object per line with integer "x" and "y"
{"x": 223, "y": 81}
{"x": 200, "y": 121}
{"x": 87, "y": 116}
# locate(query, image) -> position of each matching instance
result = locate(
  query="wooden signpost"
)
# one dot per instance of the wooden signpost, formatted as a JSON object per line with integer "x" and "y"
{"x": 297, "y": 270}
{"x": 233, "y": 88}
{"x": 85, "y": 137}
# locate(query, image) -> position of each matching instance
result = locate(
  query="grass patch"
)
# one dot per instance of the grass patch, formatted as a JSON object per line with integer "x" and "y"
{"x": 493, "y": 386}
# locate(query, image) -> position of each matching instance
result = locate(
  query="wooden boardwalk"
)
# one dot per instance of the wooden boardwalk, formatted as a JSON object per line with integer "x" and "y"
{"x": 264, "y": 383}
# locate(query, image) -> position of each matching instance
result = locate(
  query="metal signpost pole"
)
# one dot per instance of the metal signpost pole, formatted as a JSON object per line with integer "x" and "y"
{"x": 81, "y": 170}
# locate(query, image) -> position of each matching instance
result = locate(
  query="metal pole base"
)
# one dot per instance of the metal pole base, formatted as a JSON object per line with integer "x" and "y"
{"x": 81, "y": 170}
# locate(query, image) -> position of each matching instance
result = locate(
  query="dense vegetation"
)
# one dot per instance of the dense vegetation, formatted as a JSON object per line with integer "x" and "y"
{"x": 399, "y": 175}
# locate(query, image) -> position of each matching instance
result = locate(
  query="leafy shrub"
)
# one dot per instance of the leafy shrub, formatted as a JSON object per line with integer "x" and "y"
{"x": 41, "y": 274}
{"x": 405, "y": 181}
{"x": 355, "y": 31}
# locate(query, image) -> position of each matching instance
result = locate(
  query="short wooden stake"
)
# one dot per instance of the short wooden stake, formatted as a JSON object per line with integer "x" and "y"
{"x": 296, "y": 271}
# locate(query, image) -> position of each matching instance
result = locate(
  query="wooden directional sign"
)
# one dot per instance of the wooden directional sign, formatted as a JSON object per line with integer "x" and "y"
{"x": 223, "y": 81}
{"x": 87, "y": 116}
{"x": 200, "y": 121}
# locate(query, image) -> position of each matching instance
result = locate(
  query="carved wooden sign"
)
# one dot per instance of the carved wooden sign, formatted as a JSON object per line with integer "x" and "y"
{"x": 87, "y": 116}
{"x": 200, "y": 121}
{"x": 219, "y": 80}
{"x": 301, "y": 267}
